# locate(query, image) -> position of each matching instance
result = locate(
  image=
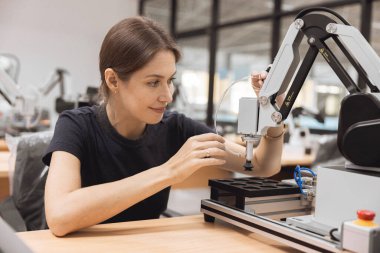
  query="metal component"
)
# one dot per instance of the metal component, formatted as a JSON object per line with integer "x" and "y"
{"x": 307, "y": 181}
{"x": 276, "y": 117}
{"x": 248, "y": 166}
{"x": 310, "y": 194}
{"x": 298, "y": 23}
{"x": 298, "y": 238}
{"x": 331, "y": 28}
{"x": 311, "y": 40}
{"x": 263, "y": 100}
{"x": 314, "y": 184}
{"x": 278, "y": 207}
{"x": 251, "y": 141}
{"x": 247, "y": 117}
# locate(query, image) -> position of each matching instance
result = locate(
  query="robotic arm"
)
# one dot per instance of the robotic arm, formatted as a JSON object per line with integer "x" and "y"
{"x": 359, "y": 121}
{"x": 24, "y": 104}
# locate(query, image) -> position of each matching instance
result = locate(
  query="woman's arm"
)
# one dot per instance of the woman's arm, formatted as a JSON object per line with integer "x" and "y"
{"x": 266, "y": 158}
{"x": 69, "y": 207}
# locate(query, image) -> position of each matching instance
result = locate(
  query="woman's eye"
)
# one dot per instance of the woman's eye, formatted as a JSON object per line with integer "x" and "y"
{"x": 154, "y": 83}
{"x": 171, "y": 80}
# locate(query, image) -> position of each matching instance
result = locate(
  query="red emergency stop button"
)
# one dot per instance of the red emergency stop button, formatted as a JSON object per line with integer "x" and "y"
{"x": 366, "y": 215}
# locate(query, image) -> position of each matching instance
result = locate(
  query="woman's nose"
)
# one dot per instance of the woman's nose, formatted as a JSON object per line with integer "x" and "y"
{"x": 167, "y": 94}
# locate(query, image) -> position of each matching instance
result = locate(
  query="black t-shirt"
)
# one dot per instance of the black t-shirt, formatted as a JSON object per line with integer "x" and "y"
{"x": 106, "y": 156}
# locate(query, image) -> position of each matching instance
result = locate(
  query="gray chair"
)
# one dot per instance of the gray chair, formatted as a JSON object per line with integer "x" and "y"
{"x": 24, "y": 209}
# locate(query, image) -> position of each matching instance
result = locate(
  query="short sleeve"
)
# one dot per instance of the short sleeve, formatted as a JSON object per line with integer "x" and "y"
{"x": 68, "y": 136}
{"x": 191, "y": 127}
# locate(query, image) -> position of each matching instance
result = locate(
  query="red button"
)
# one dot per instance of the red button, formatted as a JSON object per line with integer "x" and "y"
{"x": 365, "y": 215}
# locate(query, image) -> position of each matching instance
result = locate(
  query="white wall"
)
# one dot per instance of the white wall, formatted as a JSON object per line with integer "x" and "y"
{"x": 46, "y": 34}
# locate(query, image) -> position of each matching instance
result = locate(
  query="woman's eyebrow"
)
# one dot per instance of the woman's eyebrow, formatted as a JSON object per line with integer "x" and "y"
{"x": 154, "y": 75}
{"x": 160, "y": 76}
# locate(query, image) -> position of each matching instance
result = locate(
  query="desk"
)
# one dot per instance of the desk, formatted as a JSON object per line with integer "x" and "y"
{"x": 181, "y": 234}
{"x": 3, "y": 145}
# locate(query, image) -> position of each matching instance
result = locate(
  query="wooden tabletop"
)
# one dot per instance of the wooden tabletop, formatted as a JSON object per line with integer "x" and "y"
{"x": 3, "y": 145}
{"x": 180, "y": 234}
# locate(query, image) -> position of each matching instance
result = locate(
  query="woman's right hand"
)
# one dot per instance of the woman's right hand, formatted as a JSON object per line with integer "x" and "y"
{"x": 198, "y": 151}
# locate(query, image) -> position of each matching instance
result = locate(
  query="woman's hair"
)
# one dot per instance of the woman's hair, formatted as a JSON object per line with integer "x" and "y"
{"x": 129, "y": 45}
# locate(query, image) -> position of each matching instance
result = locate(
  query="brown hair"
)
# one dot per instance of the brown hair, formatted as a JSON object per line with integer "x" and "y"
{"x": 129, "y": 45}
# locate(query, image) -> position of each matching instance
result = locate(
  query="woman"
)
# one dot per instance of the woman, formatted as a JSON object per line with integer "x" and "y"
{"x": 116, "y": 162}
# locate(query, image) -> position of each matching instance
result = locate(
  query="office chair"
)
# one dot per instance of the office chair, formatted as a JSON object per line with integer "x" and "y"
{"x": 24, "y": 209}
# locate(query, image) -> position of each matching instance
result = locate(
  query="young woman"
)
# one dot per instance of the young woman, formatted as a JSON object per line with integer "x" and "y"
{"x": 116, "y": 162}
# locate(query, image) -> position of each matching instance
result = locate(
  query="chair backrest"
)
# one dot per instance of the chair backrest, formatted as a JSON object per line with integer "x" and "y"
{"x": 29, "y": 179}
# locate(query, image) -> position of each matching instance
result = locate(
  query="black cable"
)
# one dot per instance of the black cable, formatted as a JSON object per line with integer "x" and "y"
{"x": 312, "y": 9}
{"x": 332, "y": 236}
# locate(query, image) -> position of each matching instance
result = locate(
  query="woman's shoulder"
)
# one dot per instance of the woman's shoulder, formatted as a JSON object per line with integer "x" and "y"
{"x": 180, "y": 119}
{"x": 173, "y": 119}
{"x": 173, "y": 116}
{"x": 82, "y": 117}
{"x": 81, "y": 113}
{"x": 84, "y": 110}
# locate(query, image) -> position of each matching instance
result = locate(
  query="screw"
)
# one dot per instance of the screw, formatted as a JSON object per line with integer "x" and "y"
{"x": 331, "y": 28}
{"x": 276, "y": 117}
{"x": 311, "y": 40}
{"x": 298, "y": 23}
{"x": 263, "y": 100}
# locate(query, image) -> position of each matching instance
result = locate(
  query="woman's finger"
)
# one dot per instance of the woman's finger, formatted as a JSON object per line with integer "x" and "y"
{"x": 210, "y": 153}
{"x": 208, "y": 137}
{"x": 263, "y": 75}
{"x": 211, "y": 144}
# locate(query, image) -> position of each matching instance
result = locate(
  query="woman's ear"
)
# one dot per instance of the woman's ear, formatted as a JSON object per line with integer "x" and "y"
{"x": 111, "y": 79}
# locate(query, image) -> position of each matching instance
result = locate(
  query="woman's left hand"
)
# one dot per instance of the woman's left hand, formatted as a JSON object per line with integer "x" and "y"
{"x": 257, "y": 81}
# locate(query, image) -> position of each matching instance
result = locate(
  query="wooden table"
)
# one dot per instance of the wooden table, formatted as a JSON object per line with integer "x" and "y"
{"x": 181, "y": 234}
{"x": 3, "y": 145}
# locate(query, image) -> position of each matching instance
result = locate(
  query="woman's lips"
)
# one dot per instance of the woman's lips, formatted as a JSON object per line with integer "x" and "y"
{"x": 158, "y": 110}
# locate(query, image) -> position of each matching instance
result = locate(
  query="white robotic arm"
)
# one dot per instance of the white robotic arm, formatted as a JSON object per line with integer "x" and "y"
{"x": 23, "y": 104}
{"x": 256, "y": 115}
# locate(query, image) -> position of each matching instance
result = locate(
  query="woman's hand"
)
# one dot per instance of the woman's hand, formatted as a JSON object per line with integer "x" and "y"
{"x": 198, "y": 151}
{"x": 257, "y": 81}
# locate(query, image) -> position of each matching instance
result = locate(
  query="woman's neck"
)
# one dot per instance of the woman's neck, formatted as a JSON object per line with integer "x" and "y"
{"x": 126, "y": 126}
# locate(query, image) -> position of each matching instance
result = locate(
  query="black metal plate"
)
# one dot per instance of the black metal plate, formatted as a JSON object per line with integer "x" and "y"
{"x": 253, "y": 187}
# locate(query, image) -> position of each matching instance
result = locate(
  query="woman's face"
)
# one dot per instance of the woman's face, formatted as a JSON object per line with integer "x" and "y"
{"x": 146, "y": 94}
